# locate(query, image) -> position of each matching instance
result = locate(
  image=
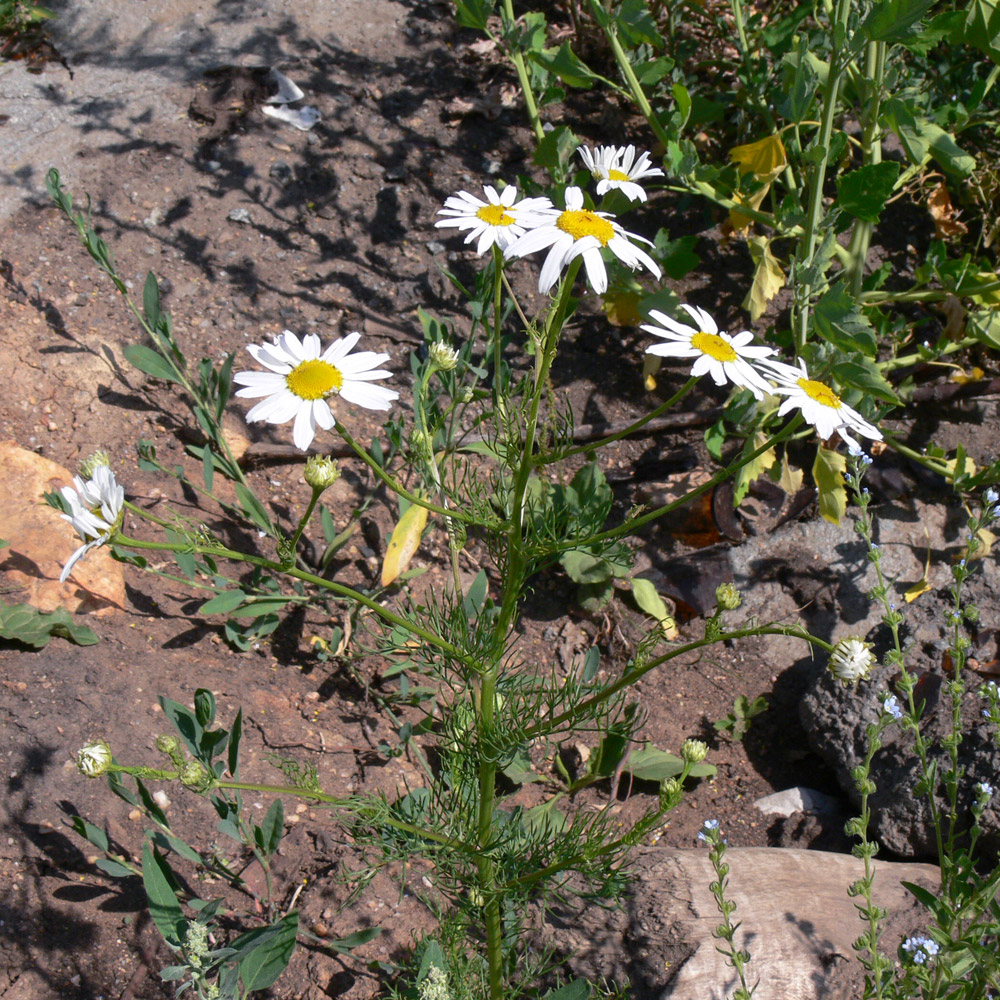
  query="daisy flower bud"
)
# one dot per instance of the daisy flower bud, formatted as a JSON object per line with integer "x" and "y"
{"x": 94, "y": 759}
{"x": 320, "y": 472}
{"x": 90, "y": 465}
{"x": 728, "y": 597}
{"x": 851, "y": 660}
{"x": 694, "y": 751}
{"x": 193, "y": 775}
{"x": 443, "y": 357}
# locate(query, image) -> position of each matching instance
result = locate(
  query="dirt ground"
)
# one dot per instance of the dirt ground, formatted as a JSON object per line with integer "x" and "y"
{"x": 337, "y": 236}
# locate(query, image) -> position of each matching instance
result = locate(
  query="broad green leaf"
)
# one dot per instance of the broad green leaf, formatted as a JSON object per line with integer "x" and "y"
{"x": 650, "y": 601}
{"x": 768, "y": 278}
{"x": 474, "y": 13}
{"x": 204, "y": 707}
{"x": 273, "y": 828}
{"x": 148, "y": 361}
{"x": 264, "y": 954}
{"x": 223, "y": 603}
{"x": 765, "y": 158}
{"x": 151, "y": 301}
{"x": 404, "y": 542}
{"x": 864, "y": 374}
{"x": 578, "y": 989}
{"x": 258, "y": 607}
{"x": 864, "y": 192}
{"x": 982, "y": 27}
{"x": 163, "y": 906}
{"x": 567, "y": 65}
{"x": 591, "y": 661}
{"x": 828, "y": 474}
{"x": 651, "y": 764}
{"x": 346, "y": 944}
{"x": 636, "y": 25}
{"x": 895, "y": 20}
{"x": 839, "y": 321}
{"x": 676, "y": 257}
{"x": 586, "y": 568}
{"x": 433, "y": 957}
{"x": 26, "y": 624}
{"x": 922, "y": 138}
{"x": 555, "y": 150}
{"x": 114, "y": 868}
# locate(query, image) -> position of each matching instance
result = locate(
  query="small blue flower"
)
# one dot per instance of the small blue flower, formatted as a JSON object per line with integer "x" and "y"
{"x": 920, "y": 949}
{"x": 709, "y": 826}
{"x": 985, "y": 788}
{"x": 893, "y": 707}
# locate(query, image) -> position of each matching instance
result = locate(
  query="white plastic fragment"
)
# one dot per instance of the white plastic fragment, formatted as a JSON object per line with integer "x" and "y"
{"x": 301, "y": 118}
{"x": 288, "y": 91}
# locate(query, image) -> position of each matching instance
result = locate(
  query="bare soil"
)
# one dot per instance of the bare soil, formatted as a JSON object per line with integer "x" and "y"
{"x": 340, "y": 237}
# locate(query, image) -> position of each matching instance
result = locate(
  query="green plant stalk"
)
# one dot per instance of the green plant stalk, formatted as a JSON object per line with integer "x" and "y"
{"x": 571, "y": 715}
{"x": 222, "y": 552}
{"x": 517, "y": 57}
{"x": 402, "y": 491}
{"x": 497, "y": 313}
{"x": 876, "y": 298}
{"x": 630, "y": 524}
{"x": 303, "y": 521}
{"x": 517, "y": 561}
{"x": 871, "y": 146}
{"x": 816, "y": 180}
{"x": 905, "y": 360}
{"x": 631, "y": 429}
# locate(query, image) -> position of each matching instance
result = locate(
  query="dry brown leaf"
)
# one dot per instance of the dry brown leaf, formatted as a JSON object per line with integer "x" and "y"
{"x": 947, "y": 225}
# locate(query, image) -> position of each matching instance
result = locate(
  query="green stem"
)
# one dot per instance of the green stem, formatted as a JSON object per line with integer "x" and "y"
{"x": 570, "y": 716}
{"x": 618, "y": 435}
{"x": 814, "y": 212}
{"x": 517, "y": 57}
{"x": 303, "y": 521}
{"x": 221, "y": 552}
{"x": 401, "y": 490}
{"x": 871, "y": 146}
{"x": 629, "y": 525}
{"x": 877, "y": 298}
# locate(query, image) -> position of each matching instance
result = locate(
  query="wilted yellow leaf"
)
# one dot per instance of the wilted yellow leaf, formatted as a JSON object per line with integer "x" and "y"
{"x": 650, "y": 366}
{"x": 913, "y": 592}
{"x": 768, "y": 278}
{"x": 737, "y": 220}
{"x": 975, "y": 374}
{"x": 749, "y": 472}
{"x": 990, "y": 299}
{"x": 789, "y": 478}
{"x": 764, "y": 158}
{"x": 622, "y": 308}
{"x": 828, "y": 473}
{"x": 404, "y": 542}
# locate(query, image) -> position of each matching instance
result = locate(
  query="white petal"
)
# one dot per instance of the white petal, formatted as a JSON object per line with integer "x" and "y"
{"x": 362, "y": 361}
{"x": 304, "y": 429}
{"x": 372, "y": 397}
{"x": 322, "y": 414}
{"x": 574, "y": 199}
{"x": 551, "y": 269}
{"x": 597, "y": 273}
{"x": 339, "y": 348}
{"x": 276, "y": 409}
{"x": 533, "y": 240}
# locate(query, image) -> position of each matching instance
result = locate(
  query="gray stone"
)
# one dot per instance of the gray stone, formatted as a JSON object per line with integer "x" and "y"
{"x": 799, "y": 799}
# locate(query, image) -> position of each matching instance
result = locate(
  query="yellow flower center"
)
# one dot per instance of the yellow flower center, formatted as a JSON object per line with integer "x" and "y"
{"x": 823, "y": 394}
{"x": 495, "y": 215}
{"x": 617, "y": 175}
{"x": 714, "y": 346}
{"x": 583, "y": 223}
{"x": 314, "y": 379}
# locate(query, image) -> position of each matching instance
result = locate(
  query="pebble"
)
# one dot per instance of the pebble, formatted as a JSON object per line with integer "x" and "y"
{"x": 239, "y": 215}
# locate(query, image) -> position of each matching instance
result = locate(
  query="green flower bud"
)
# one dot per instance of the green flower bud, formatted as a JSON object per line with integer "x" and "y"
{"x": 421, "y": 444}
{"x": 466, "y": 394}
{"x": 169, "y": 744}
{"x": 443, "y": 357}
{"x": 694, "y": 751}
{"x": 728, "y": 597}
{"x": 193, "y": 775}
{"x": 90, "y": 465}
{"x": 321, "y": 472}
{"x": 94, "y": 759}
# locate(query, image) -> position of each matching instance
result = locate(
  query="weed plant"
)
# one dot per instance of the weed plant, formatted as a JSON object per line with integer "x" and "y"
{"x": 485, "y": 456}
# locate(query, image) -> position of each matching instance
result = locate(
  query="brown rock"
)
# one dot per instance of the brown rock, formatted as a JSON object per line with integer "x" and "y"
{"x": 40, "y": 541}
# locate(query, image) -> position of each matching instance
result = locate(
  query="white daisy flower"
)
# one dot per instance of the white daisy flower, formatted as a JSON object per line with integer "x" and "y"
{"x": 95, "y": 507}
{"x": 726, "y": 358}
{"x": 498, "y": 221}
{"x": 819, "y": 404}
{"x": 578, "y": 232}
{"x": 302, "y": 376}
{"x": 616, "y": 169}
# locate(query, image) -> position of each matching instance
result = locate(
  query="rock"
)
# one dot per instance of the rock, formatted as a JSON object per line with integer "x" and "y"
{"x": 797, "y": 800}
{"x": 40, "y": 542}
{"x": 240, "y": 215}
{"x": 798, "y": 923}
{"x": 819, "y": 573}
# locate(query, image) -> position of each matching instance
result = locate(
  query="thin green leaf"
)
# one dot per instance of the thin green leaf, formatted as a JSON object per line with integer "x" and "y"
{"x": 148, "y": 361}
{"x": 163, "y": 906}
